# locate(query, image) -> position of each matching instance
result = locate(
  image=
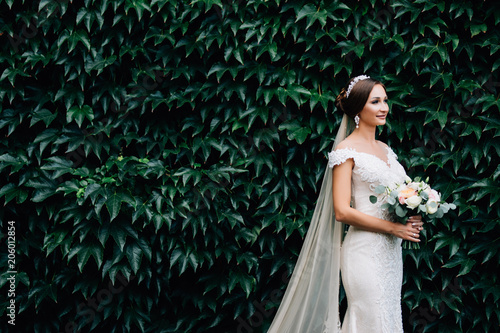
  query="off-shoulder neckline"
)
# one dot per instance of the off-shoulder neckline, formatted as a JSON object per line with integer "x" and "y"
{"x": 387, "y": 155}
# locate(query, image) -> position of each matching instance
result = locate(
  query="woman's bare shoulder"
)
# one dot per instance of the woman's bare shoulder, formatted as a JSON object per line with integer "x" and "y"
{"x": 342, "y": 145}
{"x": 383, "y": 144}
{"x": 349, "y": 142}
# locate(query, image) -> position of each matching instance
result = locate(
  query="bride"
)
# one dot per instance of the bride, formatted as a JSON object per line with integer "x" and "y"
{"x": 369, "y": 258}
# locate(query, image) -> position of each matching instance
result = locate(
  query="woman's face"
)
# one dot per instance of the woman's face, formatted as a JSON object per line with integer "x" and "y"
{"x": 376, "y": 108}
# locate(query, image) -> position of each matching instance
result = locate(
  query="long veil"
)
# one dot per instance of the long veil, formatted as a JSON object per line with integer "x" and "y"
{"x": 311, "y": 300}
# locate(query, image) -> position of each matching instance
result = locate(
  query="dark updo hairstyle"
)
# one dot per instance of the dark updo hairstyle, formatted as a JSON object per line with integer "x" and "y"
{"x": 358, "y": 96}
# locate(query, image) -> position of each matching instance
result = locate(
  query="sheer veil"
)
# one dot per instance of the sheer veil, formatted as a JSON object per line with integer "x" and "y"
{"x": 311, "y": 300}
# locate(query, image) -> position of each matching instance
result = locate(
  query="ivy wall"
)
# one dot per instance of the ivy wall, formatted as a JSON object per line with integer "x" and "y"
{"x": 160, "y": 160}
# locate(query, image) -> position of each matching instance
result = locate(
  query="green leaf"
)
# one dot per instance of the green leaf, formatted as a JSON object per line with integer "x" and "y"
{"x": 134, "y": 256}
{"x": 15, "y": 162}
{"x": 312, "y": 14}
{"x": 46, "y": 137}
{"x": 487, "y": 186}
{"x": 74, "y": 37}
{"x": 98, "y": 63}
{"x": 401, "y": 212}
{"x": 79, "y": 114}
{"x": 60, "y": 165}
{"x": 380, "y": 189}
{"x": 43, "y": 188}
{"x": 139, "y": 7}
{"x": 399, "y": 41}
{"x": 234, "y": 218}
{"x": 11, "y": 191}
{"x": 496, "y": 174}
{"x": 84, "y": 251}
{"x": 477, "y": 29}
{"x": 245, "y": 281}
{"x": 466, "y": 266}
{"x": 113, "y": 204}
{"x": 119, "y": 235}
{"x": 43, "y": 115}
{"x": 295, "y": 131}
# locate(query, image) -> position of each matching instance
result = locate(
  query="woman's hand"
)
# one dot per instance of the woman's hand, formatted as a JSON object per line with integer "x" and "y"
{"x": 411, "y": 230}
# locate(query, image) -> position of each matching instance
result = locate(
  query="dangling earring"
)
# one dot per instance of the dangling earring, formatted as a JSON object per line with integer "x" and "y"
{"x": 356, "y": 120}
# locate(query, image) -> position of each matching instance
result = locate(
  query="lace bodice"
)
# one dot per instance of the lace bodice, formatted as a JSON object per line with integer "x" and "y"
{"x": 369, "y": 171}
{"x": 370, "y": 167}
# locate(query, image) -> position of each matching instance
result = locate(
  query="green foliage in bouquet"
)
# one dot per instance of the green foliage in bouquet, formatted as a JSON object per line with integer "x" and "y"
{"x": 160, "y": 159}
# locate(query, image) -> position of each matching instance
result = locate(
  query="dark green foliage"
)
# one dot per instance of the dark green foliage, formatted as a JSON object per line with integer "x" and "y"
{"x": 161, "y": 159}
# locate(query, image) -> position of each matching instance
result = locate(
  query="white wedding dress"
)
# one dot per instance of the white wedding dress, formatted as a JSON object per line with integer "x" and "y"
{"x": 371, "y": 263}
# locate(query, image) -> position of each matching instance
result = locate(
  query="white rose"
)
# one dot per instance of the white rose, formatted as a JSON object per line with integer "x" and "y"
{"x": 431, "y": 207}
{"x": 413, "y": 202}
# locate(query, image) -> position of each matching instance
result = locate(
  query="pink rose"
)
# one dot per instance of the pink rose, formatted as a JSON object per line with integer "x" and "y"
{"x": 405, "y": 193}
{"x": 434, "y": 196}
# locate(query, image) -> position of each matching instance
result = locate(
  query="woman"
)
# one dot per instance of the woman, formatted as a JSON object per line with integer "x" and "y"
{"x": 370, "y": 256}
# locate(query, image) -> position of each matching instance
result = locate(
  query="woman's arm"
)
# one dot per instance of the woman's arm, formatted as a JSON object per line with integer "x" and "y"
{"x": 346, "y": 214}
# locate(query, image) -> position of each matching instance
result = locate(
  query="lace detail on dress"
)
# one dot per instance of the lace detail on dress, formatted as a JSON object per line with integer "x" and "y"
{"x": 387, "y": 250}
{"x": 370, "y": 167}
{"x": 339, "y": 156}
{"x": 391, "y": 154}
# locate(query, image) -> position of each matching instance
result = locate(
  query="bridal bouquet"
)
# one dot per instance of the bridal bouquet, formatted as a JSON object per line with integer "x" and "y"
{"x": 413, "y": 197}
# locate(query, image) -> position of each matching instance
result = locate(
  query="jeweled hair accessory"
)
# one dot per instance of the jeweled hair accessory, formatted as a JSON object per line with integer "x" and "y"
{"x": 353, "y": 83}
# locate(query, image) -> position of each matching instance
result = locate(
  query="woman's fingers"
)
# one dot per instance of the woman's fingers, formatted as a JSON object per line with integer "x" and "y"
{"x": 417, "y": 226}
{"x": 415, "y": 218}
{"x": 416, "y": 222}
{"x": 414, "y": 236}
{"x": 413, "y": 230}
